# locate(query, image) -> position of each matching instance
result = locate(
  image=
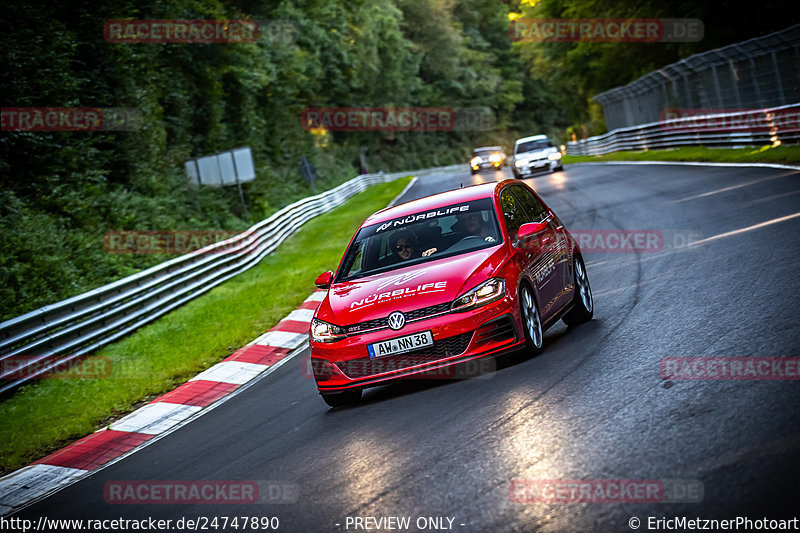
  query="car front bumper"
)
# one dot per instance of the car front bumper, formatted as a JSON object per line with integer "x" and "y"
{"x": 537, "y": 166}
{"x": 487, "y": 165}
{"x": 458, "y": 338}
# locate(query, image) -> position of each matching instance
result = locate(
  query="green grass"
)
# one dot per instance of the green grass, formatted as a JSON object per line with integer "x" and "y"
{"x": 44, "y": 416}
{"x": 763, "y": 154}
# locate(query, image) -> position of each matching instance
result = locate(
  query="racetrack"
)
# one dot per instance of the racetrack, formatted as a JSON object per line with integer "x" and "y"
{"x": 592, "y": 406}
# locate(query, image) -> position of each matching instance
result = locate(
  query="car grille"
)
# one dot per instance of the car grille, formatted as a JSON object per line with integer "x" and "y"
{"x": 441, "y": 349}
{"x": 411, "y": 316}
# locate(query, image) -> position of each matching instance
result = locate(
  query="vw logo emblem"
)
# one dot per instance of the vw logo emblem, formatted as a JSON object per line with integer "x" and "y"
{"x": 397, "y": 320}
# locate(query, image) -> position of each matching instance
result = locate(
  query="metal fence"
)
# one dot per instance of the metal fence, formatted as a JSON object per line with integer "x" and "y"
{"x": 755, "y": 74}
{"x": 719, "y": 130}
{"x": 37, "y": 343}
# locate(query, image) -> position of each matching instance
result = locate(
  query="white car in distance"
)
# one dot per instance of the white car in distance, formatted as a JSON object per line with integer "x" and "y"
{"x": 535, "y": 153}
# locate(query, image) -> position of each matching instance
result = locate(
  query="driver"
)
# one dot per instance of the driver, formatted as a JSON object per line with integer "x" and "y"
{"x": 472, "y": 224}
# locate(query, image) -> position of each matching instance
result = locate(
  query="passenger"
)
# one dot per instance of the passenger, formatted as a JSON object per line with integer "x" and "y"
{"x": 403, "y": 244}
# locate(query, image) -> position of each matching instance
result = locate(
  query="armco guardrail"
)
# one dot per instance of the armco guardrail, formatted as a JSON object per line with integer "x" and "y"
{"x": 719, "y": 130}
{"x": 48, "y": 338}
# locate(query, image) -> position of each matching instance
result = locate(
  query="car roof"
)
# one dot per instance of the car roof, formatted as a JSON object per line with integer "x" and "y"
{"x": 486, "y": 148}
{"x": 532, "y": 138}
{"x": 465, "y": 194}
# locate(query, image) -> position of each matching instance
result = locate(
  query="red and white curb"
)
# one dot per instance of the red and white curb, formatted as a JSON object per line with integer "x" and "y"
{"x": 161, "y": 416}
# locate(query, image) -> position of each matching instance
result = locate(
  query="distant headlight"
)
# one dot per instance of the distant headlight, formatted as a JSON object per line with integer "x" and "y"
{"x": 495, "y": 158}
{"x": 475, "y": 161}
{"x": 554, "y": 156}
{"x": 323, "y": 332}
{"x": 521, "y": 163}
{"x": 487, "y": 292}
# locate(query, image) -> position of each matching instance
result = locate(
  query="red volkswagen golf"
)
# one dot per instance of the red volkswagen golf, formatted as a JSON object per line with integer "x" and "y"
{"x": 453, "y": 277}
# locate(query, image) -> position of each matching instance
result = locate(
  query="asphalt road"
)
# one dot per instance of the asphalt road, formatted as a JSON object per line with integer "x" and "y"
{"x": 592, "y": 406}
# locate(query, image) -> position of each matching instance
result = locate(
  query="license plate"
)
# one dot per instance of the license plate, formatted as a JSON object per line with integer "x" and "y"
{"x": 400, "y": 344}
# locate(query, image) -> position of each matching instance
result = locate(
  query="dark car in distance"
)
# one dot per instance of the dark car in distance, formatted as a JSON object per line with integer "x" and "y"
{"x": 487, "y": 157}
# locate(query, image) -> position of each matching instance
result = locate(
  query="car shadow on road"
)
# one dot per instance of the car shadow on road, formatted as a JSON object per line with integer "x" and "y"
{"x": 556, "y": 338}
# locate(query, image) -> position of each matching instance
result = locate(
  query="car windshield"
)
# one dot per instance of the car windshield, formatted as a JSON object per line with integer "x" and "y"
{"x": 421, "y": 237}
{"x": 485, "y": 152}
{"x": 530, "y": 146}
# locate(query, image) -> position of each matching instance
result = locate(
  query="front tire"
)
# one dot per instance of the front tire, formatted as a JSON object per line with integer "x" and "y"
{"x": 531, "y": 320}
{"x": 338, "y": 399}
{"x": 583, "y": 309}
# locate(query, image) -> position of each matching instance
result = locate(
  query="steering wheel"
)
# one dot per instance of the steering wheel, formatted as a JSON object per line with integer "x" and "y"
{"x": 468, "y": 237}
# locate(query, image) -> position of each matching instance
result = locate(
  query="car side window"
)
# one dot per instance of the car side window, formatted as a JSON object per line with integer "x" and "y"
{"x": 535, "y": 210}
{"x": 512, "y": 213}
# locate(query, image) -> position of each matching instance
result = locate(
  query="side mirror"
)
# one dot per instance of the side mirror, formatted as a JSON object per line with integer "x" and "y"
{"x": 531, "y": 229}
{"x": 530, "y": 237}
{"x": 324, "y": 280}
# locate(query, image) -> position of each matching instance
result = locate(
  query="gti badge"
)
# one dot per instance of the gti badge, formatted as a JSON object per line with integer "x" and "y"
{"x": 397, "y": 320}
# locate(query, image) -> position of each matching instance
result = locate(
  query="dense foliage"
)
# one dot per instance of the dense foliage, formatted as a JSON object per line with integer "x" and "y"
{"x": 62, "y": 191}
{"x": 581, "y": 70}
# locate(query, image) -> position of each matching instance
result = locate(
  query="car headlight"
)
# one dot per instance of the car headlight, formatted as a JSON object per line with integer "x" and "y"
{"x": 475, "y": 161}
{"x": 487, "y": 292}
{"x": 554, "y": 156}
{"x": 495, "y": 158}
{"x": 321, "y": 331}
{"x": 521, "y": 163}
